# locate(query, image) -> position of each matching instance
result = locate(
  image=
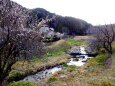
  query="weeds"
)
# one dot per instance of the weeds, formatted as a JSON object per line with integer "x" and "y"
{"x": 73, "y": 42}
{"x": 52, "y": 79}
{"x": 23, "y": 83}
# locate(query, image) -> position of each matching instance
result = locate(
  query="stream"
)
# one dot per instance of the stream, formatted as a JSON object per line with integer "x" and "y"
{"x": 79, "y": 60}
{"x": 40, "y": 76}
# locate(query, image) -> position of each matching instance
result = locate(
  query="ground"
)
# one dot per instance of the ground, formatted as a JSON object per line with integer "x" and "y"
{"x": 94, "y": 73}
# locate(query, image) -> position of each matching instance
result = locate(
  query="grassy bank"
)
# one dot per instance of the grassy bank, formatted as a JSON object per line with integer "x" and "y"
{"x": 73, "y": 42}
{"x": 94, "y": 73}
{"x": 89, "y": 75}
{"x": 55, "y": 55}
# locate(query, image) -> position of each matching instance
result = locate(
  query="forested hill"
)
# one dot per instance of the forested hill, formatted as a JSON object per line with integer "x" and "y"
{"x": 16, "y": 16}
{"x": 70, "y": 25}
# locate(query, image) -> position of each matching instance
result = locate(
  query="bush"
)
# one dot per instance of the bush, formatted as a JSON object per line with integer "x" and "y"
{"x": 23, "y": 83}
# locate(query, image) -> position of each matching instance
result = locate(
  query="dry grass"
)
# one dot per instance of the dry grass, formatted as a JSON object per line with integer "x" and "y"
{"x": 40, "y": 62}
{"x": 23, "y": 68}
{"x": 79, "y": 38}
{"x": 79, "y": 76}
{"x": 83, "y": 76}
{"x": 58, "y": 44}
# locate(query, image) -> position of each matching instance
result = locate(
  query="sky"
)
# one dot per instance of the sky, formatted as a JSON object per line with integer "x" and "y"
{"x": 93, "y": 11}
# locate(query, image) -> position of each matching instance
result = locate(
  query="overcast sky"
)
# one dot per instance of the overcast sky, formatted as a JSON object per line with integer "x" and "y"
{"x": 93, "y": 11}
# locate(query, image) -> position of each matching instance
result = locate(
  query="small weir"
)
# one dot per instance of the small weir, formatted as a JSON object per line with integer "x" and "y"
{"x": 81, "y": 57}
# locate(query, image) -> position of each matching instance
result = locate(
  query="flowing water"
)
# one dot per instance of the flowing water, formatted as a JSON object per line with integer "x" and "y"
{"x": 40, "y": 76}
{"x": 82, "y": 59}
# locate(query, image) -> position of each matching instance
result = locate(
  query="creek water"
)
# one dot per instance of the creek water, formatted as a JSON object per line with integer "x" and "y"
{"x": 81, "y": 59}
{"x": 40, "y": 76}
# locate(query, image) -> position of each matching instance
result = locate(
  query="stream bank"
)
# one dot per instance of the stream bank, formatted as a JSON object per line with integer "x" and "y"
{"x": 79, "y": 60}
{"x": 26, "y": 69}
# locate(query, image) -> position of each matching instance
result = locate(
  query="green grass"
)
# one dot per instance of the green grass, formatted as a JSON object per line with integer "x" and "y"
{"x": 113, "y": 45}
{"x": 93, "y": 74}
{"x": 65, "y": 65}
{"x": 88, "y": 76}
{"x": 99, "y": 60}
{"x": 73, "y": 42}
{"x": 56, "y": 52}
{"x": 23, "y": 83}
{"x": 52, "y": 79}
{"x": 15, "y": 73}
{"x": 52, "y": 53}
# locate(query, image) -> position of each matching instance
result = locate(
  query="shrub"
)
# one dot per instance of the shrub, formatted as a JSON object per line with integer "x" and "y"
{"x": 23, "y": 83}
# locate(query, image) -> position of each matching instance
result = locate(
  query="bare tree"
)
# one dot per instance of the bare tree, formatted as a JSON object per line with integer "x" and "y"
{"x": 17, "y": 42}
{"x": 103, "y": 37}
{"x": 17, "y": 45}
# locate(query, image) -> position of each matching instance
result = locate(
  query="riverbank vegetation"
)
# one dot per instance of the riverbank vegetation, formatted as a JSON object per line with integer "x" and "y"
{"x": 32, "y": 41}
{"x": 95, "y": 73}
{"x": 55, "y": 56}
{"x": 91, "y": 74}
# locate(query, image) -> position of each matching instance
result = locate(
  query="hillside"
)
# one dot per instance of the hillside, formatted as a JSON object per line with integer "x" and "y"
{"x": 70, "y": 25}
{"x": 16, "y": 16}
